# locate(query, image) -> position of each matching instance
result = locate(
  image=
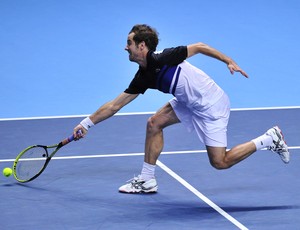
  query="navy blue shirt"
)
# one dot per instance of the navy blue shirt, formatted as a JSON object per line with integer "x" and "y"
{"x": 159, "y": 72}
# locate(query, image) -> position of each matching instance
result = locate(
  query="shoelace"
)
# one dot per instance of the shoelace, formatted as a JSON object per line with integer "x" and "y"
{"x": 134, "y": 179}
{"x": 279, "y": 149}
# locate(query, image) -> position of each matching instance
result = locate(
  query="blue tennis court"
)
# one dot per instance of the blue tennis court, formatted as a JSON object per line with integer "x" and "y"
{"x": 62, "y": 58}
{"x": 79, "y": 189}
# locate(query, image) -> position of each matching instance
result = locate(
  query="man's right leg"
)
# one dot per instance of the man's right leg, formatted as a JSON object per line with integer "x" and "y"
{"x": 154, "y": 136}
{"x": 146, "y": 182}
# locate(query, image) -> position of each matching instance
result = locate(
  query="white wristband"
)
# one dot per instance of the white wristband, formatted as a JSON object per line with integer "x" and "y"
{"x": 87, "y": 123}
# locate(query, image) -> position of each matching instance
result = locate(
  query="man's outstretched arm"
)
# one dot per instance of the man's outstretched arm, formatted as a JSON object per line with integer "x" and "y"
{"x": 209, "y": 51}
{"x": 105, "y": 111}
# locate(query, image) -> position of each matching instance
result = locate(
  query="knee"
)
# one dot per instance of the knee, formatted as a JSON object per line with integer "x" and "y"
{"x": 218, "y": 157}
{"x": 220, "y": 164}
{"x": 153, "y": 125}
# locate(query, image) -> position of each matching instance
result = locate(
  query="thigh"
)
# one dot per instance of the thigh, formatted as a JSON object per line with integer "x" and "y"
{"x": 211, "y": 124}
{"x": 165, "y": 116}
{"x": 183, "y": 113}
{"x": 211, "y": 132}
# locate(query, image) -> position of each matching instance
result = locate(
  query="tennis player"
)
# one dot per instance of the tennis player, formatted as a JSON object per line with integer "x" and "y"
{"x": 198, "y": 103}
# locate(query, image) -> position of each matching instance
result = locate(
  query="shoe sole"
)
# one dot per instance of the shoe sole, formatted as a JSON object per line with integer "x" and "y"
{"x": 152, "y": 190}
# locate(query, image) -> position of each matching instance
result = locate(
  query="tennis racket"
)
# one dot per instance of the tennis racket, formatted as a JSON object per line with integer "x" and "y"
{"x": 33, "y": 160}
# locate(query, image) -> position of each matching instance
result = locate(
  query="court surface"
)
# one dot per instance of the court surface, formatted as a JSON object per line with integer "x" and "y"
{"x": 79, "y": 189}
{"x": 65, "y": 57}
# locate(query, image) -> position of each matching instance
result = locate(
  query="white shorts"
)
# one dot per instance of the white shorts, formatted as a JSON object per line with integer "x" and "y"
{"x": 210, "y": 124}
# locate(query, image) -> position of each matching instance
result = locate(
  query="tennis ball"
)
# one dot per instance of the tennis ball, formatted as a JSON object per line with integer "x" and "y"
{"x": 7, "y": 172}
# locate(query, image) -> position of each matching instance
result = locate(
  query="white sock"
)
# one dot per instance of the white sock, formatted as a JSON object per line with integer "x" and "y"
{"x": 148, "y": 171}
{"x": 262, "y": 141}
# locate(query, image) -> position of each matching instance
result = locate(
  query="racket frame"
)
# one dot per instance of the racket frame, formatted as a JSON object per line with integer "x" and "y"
{"x": 57, "y": 146}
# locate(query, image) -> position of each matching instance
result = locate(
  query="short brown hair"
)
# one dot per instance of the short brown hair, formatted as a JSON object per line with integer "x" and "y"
{"x": 143, "y": 32}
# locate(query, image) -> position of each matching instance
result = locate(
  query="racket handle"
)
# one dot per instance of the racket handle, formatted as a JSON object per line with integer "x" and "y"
{"x": 69, "y": 139}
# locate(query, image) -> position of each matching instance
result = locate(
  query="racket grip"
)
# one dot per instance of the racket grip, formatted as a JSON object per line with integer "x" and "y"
{"x": 68, "y": 140}
{"x": 71, "y": 138}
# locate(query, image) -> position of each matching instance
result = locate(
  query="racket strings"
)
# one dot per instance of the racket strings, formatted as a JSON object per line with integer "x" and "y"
{"x": 31, "y": 163}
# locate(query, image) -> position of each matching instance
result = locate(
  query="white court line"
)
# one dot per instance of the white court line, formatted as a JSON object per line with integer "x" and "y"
{"x": 166, "y": 169}
{"x": 169, "y": 171}
{"x": 200, "y": 195}
{"x": 114, "y": 155}
{"x": 139, "y": 113}
{"x": 128, "y": 154}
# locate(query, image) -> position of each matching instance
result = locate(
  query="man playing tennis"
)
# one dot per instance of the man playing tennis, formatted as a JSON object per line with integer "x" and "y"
{"x": 198, "y": 103}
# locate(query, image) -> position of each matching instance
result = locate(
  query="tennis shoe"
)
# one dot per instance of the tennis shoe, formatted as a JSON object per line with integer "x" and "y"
{"x": 279, "y": 146}
{"x": 139, "y": 185}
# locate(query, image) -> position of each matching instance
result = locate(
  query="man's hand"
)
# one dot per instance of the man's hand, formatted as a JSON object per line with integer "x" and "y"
{"x": 233, "y": 67}
{"x": 81, "y": 134}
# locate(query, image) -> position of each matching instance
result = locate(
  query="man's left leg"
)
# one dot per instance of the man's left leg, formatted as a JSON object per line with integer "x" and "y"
{"x": 222, "y": 159}
{"x": 273, "y": 140}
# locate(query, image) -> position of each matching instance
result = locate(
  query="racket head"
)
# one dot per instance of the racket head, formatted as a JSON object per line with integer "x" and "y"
{"x": 30, "y": 163}
{"x": 33, "y": 160}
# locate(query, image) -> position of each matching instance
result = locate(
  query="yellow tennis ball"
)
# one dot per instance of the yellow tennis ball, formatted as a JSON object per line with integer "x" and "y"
{"x": 7, "y": 172}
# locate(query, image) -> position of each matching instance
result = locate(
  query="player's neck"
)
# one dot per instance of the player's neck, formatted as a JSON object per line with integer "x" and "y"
{"x": 143, "y": 64}
{"x": 143, "y": 60}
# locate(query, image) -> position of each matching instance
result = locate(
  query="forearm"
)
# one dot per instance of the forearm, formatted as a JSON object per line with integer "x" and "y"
{"x": 101, "y": 114}
{"x": 209, "y": 51}
{"x": 105, "y": 111}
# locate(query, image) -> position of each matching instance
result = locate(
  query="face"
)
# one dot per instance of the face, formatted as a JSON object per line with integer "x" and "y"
{"x": 133, "y": 49}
